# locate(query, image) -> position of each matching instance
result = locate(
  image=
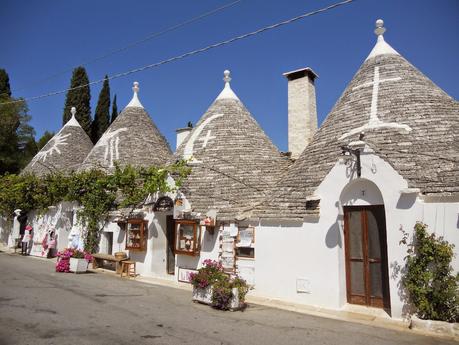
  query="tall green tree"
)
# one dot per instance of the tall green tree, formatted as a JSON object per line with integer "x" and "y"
{"x": 114, "y": 110}
{"x": 44, "y": 139}
{"x": 102, "y": 114}
{"x": 17, "y": 142}
{"x": 79, "y": 98}
{"x": 5, "y": 90}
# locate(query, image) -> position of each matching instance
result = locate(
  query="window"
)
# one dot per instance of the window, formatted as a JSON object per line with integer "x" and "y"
{"x": 188, "y": 237}
{"x": 245, "y": 242}
{"x": 136, "y": 234}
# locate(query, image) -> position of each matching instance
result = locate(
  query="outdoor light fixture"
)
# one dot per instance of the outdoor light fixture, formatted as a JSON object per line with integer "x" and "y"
{"x": 351, "y": 152}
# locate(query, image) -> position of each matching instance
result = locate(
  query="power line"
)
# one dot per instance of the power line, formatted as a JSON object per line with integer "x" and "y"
{"x": 191, "y": 53}
{"x": 133, "y": 44}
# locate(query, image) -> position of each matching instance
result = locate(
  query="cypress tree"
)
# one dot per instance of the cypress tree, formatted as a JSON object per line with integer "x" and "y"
{"x": 102, "y": 114}
{"x": 5, "y": 91}
{"x": 114, "y": 110}
{"x": 80, "y": 99}
{"x": 17, "y": 142}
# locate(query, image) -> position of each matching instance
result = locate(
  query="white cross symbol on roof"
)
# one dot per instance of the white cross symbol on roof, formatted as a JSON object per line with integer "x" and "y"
{"x": 206, "y": 139}
{"x": 374, "y": 122}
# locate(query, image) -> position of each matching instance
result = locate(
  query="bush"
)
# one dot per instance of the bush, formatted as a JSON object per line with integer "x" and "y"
{"x": 209, "y": 274}
{"x": 433, "y": 289}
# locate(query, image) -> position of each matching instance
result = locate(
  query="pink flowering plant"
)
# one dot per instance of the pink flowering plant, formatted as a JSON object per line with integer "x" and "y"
{"x": 63, "y": 258}
{"x": 210, "y": 273}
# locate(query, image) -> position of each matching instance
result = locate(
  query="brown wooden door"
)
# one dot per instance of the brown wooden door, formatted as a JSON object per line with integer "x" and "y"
{"x": 366, "y": 256}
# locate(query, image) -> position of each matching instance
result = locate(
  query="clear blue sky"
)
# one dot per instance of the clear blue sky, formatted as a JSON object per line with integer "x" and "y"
{"x": 41, "y": 38}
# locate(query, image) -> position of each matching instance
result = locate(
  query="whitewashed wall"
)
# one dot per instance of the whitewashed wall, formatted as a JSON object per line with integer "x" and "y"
{"x": 210, "y": 245}
{"x": 59, "y": 218}
{"x": 310, "y": 256}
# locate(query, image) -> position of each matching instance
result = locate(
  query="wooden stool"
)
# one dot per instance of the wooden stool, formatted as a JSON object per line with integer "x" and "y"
{"x": 128, "y": 267}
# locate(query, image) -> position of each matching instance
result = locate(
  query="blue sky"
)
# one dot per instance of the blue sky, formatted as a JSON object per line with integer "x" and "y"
{"x": 46, "y": 37}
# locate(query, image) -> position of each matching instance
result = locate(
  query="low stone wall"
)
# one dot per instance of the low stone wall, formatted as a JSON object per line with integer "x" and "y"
{"x": 438, "y": 327}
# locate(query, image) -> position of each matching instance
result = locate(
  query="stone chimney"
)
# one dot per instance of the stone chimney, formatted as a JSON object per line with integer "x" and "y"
{"x": 302, "y": 111}
{"x": 182, "y": 133}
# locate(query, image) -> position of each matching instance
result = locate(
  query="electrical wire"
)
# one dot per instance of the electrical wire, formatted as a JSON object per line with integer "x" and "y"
{"x": 191, "y": 53}
{"x": 136, "y": 43}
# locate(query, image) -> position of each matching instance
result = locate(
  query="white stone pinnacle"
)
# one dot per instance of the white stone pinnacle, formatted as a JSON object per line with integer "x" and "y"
{"x": 135, "y": 99}
{"x": 227, "y": 93}
{"x": 381, "y": 47}
{"x": 73, "y": 121}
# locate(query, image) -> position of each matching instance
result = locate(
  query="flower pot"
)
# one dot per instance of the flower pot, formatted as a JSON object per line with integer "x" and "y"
{"x": 78, "y": 265}
{"x": 203, "y": 295}
{"x": 236, "y": 304}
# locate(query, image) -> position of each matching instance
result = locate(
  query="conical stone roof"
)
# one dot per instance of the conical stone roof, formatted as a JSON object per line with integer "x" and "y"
{"x": 62, "y": 153}
{"x": 407, "y": 120}
{"x": 233, "y": 162}
{"x": 132, "y": 139}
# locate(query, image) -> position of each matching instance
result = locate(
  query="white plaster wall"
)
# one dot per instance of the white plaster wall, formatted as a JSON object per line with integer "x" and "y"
{"x": 314, "y": 250}
{"x": 59, "y": 218}
{"x": 210, "y": 246}
{"x": 152, "y": 261}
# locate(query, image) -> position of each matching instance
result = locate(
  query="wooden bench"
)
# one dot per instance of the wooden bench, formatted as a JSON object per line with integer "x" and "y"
{"x": 98, "y": 261}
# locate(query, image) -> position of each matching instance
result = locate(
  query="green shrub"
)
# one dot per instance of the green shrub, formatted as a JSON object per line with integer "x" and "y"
{"x": 432, "y": 287}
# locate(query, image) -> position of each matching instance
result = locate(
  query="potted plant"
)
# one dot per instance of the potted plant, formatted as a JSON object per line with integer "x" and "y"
{"x": 212, "y": 286}
{"x": 72, "y": 260}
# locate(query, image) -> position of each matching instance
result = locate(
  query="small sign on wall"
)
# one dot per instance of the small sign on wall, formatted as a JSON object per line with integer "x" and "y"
{"x": 184, "y": 274}
{"x": 303, "y": 285}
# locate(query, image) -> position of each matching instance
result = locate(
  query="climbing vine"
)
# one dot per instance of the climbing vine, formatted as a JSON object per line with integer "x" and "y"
{"x": 95, "y": 190}
{"x": 432, "y": 287}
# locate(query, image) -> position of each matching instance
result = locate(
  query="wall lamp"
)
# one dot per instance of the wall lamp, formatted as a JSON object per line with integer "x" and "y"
{"x": 352, "y": 151}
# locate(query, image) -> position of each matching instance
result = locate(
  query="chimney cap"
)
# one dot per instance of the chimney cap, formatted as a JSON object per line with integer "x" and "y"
{"x": 183, "y": 129}
{"x": 299, "y": 73}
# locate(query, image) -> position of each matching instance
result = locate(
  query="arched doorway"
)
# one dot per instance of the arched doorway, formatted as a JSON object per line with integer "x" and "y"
{"x": 367, "y": 278}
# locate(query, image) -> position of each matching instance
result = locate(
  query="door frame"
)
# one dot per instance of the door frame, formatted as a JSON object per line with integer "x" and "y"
{"x": 367, "y": 300}
{"x": 170, "y": 243}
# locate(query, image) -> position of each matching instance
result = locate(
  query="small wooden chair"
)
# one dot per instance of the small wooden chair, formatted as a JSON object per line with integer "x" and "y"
{"x": 128, "y": 267}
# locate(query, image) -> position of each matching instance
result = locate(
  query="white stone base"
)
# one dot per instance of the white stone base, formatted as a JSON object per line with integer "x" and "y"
{"x": 439, "y": 327}
{"x": 205, "y": 296}
{"x": 78, "y": 265}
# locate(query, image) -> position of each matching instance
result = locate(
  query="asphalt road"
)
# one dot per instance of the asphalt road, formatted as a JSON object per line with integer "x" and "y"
{"x": 40, "y": 306}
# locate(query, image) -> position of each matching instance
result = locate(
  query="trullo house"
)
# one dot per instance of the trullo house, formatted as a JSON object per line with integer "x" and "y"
{"x": 63, "y": 153}
{"x": 385, "y": 157}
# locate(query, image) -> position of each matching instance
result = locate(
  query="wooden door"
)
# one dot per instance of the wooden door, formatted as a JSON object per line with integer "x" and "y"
{"x": 366, "y": 256}
{"x": 170, "y": 230}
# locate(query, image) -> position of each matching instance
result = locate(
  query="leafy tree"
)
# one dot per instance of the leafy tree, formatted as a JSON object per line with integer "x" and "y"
{"x": 102, "y": 115}
{"x": 44, "y": 139}
{"x": 17, "y": 143}
{"x": 5, "y": 90}
{"x": 79, "y": 98}
{"x": 114, "y": 110}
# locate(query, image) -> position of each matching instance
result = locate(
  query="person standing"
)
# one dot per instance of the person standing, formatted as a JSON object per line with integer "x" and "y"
{"x": 26, "y": 238}
{"x": 52, "y": 244}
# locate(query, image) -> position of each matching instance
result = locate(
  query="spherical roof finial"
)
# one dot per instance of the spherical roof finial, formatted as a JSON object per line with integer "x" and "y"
{"x": 226, "y": 77}
{"x": 380, "y": 29}
{"x": 73, "y": 111}
{"x": 135, "y": 88}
